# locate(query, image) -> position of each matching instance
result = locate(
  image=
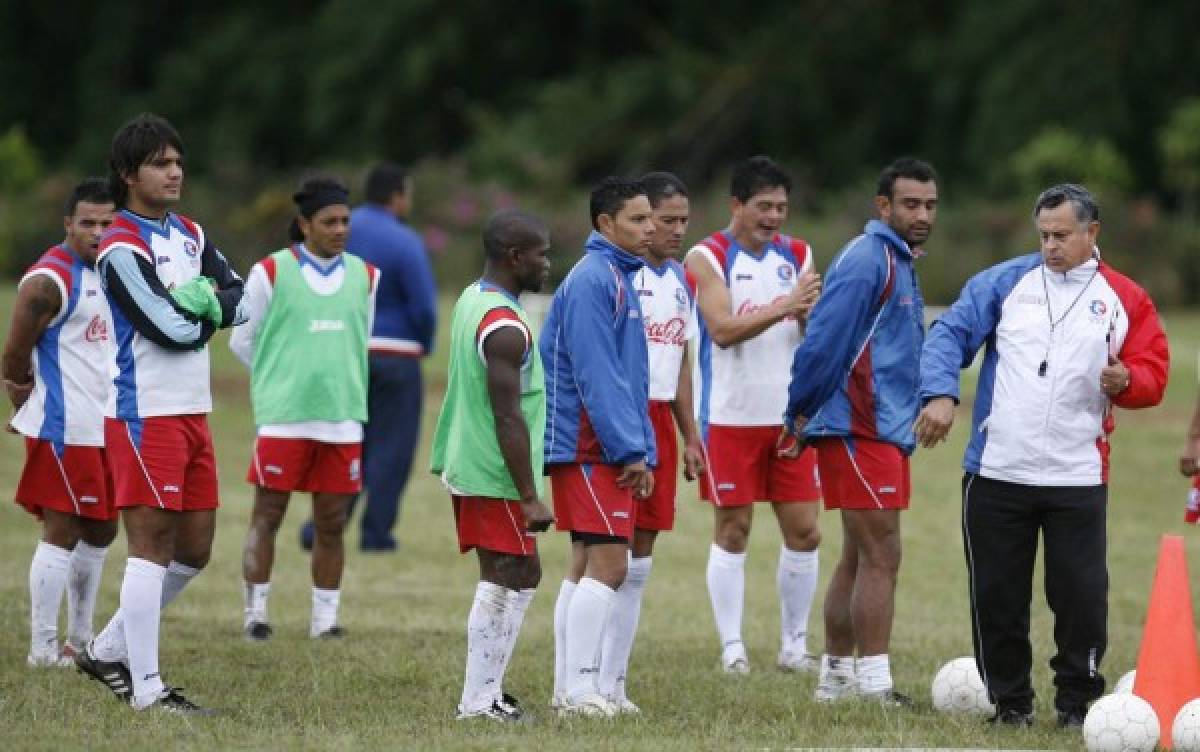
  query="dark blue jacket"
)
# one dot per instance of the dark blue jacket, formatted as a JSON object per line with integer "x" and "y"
{"x": 406, "y": 302}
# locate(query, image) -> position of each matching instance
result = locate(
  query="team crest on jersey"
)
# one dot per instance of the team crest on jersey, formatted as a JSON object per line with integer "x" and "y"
{"x": 1098, "y": 308}
{"x": 785, "y": 272}
{"x": 681, "y": 298}
{"x": 97, "y": 330}
{"x": 189, "y": 247}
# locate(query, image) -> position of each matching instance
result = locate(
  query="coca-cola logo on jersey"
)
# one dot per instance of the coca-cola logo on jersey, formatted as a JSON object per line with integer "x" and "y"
{"x": 669, "y": 332}
{"x": 97, "y": 330}
{"x": 749, "y": 306}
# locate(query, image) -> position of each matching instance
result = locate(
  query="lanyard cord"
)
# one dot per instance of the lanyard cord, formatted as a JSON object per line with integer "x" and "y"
{"x": 1050, "y": 316}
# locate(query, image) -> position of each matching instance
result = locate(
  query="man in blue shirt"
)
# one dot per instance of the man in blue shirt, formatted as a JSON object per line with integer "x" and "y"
{"x": 405, "y": 318}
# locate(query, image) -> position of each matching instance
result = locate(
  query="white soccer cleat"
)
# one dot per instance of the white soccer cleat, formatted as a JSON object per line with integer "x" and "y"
{"x": 734, "y": 659}
{"x": 800, "y": 663}
{"x": 625, "y": 706}
{"x": 835, "y": 687}
{"x": 590, "y": 704}
{"x": 49, "y": 660}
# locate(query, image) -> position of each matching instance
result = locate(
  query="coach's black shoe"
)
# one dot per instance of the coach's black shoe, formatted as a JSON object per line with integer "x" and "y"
{"x": 258, "y": 631}
{"x": 112, "y": 674}
{"x": 1012, "y": 717}
{"x": 172, "y": 701}
{"x": 333, "y": 633}
{"x": 1071, "y": 718}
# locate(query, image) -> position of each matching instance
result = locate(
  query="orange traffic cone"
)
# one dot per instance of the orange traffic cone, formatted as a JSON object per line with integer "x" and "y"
{"x": 1168, "y": 666}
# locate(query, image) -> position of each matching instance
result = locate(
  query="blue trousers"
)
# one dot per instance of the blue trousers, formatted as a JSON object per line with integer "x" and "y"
{"x": 394, "y": 398}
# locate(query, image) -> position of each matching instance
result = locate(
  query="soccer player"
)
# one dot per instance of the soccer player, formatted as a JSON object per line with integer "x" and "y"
{"x": 853, "y": 396}
{"x": 599, "y": 441}
{"x": 308, "y": 318}
{"x": 56, "y": 375}
{"x": 403, "y": 333}
{"x": 488, "y": 451}
{"x": 155, "y": 428}
{"x": 668, "y": 314}
{"x": 754, "y": 288}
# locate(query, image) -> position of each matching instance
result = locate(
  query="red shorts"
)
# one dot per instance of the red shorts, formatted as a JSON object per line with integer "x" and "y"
{"x": 742, "y": 467}
{"x": 863, "y": 474}
{"x": 77, "y": 482}
{"x": 493, "y": 525}
{"x": 306, "y": 465}
{"x": 657, "y": 512}
{"x": 587, "y": 500}
{"x": 166, "y": 462}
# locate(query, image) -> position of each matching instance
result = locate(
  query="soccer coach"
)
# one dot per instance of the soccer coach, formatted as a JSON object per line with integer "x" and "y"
{"x": 1066, "y": 338}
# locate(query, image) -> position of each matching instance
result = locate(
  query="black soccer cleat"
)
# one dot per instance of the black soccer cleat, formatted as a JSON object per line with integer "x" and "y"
{"x": 258, "y": 631}
{"x": 333, "y": 633}
{"x": 172, "y": 701}
{"x": 1072, "y": 718}
{"x": 1012, "y": 718}
{"x": 112, "y": 674}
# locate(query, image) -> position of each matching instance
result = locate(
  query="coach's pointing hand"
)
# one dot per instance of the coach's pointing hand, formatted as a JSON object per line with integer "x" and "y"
{"x": 934, "y": 422}
{"x": 538, "y": 517}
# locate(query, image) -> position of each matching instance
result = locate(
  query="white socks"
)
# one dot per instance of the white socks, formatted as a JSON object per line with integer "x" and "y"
{"x": 324, "y": 610}
{"x": 488, "y": 632}
{"x": 874, "y": 674}
{"x": 519, "y": 601}
{"x": 83, "y": 582}
{"x": 796, "y": 579}
{"x": 254, "y": 600}
{"x": 727, "y": 590}
{"x": 47, "y": 580}
{"x": 622, "y": 628}
{"x": 110, "y": 644}
{"x": 587, "y": 615}
{"x": 560, "y": 637}
{"x": 141, "y": 606}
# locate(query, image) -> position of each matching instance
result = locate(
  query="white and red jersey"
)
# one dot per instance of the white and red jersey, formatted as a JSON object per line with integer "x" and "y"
{"x": 70, "y": 360}
{"x": 747, "y": 384}
{"x": 155, "y": 256}
{"x": 669, "y": 314}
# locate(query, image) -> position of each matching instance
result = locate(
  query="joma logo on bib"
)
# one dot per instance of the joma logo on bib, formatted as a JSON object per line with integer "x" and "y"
{"x": 326, "y": 325}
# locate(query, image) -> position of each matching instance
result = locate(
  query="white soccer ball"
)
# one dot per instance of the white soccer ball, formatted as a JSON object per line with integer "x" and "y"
{"x": 1124, "y": 685}
{"x": 957, "y": 688}
{"x": 1120, "y": 723}
{"x": 1185, "y": 730}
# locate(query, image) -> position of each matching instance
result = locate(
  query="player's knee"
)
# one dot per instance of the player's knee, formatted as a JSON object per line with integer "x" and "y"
{"x": 883, "y": 553}
{"x": 98, "y": 533}
{"x": 733, "y": 535}
{"x": 803, "y": 539}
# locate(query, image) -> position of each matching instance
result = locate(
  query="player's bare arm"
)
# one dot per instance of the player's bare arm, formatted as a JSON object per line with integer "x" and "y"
{"x": 38, "y": 302}
{"x": 1189, "y": 461}
{"x": 728, "y": 330}
{"x": 681, "y": 408}
{"x": 504, "y": 350}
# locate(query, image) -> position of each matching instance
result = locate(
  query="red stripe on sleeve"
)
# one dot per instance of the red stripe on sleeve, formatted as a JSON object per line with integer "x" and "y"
{"x": 1145, "y": 352}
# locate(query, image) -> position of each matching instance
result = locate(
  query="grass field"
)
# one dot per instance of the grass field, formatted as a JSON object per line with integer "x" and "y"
{"x": 394, "y": 683}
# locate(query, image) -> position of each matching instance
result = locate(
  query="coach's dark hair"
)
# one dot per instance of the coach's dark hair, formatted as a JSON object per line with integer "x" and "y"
{"x": 661, "y": 186}
{"x": 383, "y": 180}
{"x": 315, "y": 194}
{"x": 757, "y": 174}
{"x": 610, "y": 195}
{"x": 904, "y": 167}
{"x": 90, "y": 190}
{"x": 1086, "y": 208}
{"x": 512, "y": 228}
{"x": 134, "y": 144}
